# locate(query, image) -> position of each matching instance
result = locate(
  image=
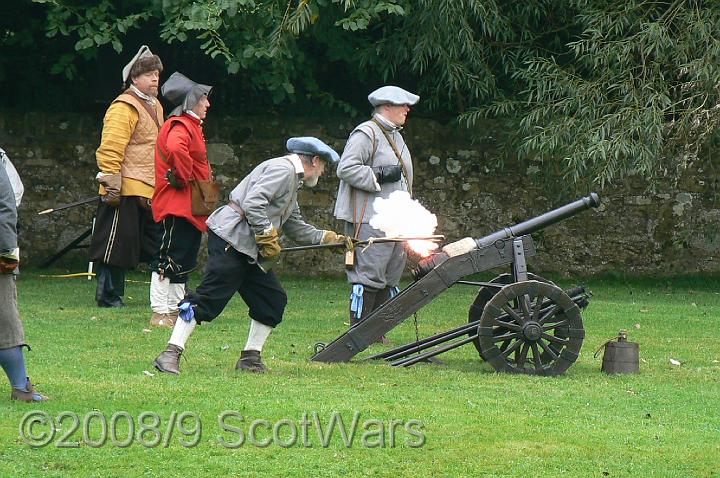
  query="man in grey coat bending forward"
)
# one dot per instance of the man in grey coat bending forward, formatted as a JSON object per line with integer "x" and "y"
{"x": 375, "y": 163}
{"x": 244, "y": 232}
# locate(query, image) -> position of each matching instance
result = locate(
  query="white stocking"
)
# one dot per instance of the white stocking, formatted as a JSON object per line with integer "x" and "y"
{"x": 159, "y": 294}
{"x": 181, "y": 332}
{"x": 257, "y": 336}
{"x": 176, "y": 293}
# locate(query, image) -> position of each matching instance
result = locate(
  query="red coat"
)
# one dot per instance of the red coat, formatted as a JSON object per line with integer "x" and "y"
{"x": 182, "y": 142}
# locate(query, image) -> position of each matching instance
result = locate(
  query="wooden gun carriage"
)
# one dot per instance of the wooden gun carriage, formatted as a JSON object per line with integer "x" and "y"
{"x": 519, "y": 322}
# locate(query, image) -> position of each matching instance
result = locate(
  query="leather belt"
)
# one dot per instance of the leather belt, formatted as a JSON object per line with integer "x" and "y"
{"x": 235, "y": 207}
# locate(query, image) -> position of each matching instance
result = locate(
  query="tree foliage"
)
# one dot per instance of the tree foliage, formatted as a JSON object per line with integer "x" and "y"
{"x": 638, "y": 92}
{"x": 594, "y": 90}
{"x": 259, "y": 38}
{"x": 464, "y": 51}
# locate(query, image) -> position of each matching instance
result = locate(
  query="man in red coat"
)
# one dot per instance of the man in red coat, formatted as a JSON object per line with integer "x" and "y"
{"x": 180, "y": 158}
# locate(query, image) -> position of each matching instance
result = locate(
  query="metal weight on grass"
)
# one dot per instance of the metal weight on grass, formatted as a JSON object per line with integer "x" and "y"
{"x": 620, "y": 356}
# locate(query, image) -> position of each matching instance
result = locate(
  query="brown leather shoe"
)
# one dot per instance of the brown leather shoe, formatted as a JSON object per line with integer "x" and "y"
{"x": 29, "y": 395}
{"x": 163, "y": 320}
{"x": 250, "y": 362}
{"x": 169, "y": 360}
{"x": 172, "y": 317}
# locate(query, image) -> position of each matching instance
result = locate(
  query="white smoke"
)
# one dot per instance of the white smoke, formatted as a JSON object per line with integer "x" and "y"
{"x": 401, "y": 216}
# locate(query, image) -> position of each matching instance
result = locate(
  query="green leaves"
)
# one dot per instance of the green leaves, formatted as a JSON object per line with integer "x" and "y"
{"x": 84, "y": 43}
{"x": 635, "y": 94}
{"x": 95, "y": 25}
{"x": 595, "y": 90}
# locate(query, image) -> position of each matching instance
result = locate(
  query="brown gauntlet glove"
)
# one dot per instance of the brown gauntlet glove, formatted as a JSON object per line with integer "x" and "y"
{"x": 112, "y": 184}
{"x": 268, "y": 244}
{"x": 331, "y": 237}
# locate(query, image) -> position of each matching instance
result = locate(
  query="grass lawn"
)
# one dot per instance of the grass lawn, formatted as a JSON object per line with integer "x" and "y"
{"x": 475, "y": 422}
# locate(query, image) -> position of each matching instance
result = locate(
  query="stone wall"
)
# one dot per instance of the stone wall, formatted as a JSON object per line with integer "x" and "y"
{"x": 672, "y": 230}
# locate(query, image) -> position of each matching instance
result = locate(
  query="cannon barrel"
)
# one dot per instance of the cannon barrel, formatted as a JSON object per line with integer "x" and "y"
{"x": 527, "y": 227}
{"x": 542, "y": 221}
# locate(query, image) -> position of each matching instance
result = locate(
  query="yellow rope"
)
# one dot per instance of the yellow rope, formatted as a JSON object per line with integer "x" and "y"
{"x": 77, "y": 274}
{"x": 86, "y": 274}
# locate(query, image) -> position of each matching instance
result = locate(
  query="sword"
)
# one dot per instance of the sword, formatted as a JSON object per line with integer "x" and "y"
{"x": 69, "y": 205}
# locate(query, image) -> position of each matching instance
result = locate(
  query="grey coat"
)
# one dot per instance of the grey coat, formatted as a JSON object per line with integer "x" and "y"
{"x": 267, "y": 196}
{"x": 11, "y": 329}
{"x": 8, "y": 214}
{"x": 355, "y": 171}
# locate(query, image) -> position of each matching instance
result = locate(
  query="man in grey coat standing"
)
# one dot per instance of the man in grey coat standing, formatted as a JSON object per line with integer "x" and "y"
{"x": 374, "y": 164}
{"x": 245, "y": 232}
{"x": 12, "y": 334}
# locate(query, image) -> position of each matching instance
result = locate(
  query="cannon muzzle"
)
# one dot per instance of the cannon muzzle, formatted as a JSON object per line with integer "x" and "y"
{"x": 527, "y": 227}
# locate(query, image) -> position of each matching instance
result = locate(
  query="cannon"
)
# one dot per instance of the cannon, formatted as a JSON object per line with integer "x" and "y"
{"x": 519, "y": 322}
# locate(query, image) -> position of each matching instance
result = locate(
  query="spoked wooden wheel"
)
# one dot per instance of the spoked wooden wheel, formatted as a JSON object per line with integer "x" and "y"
{"x": 531, "y": 327}
{"x": 488, "y": 292}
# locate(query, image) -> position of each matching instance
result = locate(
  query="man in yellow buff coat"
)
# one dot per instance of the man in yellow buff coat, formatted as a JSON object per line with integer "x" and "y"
{"x": 125, "y": 232}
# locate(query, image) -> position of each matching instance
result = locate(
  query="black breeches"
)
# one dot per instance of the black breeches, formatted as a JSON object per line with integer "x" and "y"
{"x": 178, "y": 252}
{"x": 227, "y": 272}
